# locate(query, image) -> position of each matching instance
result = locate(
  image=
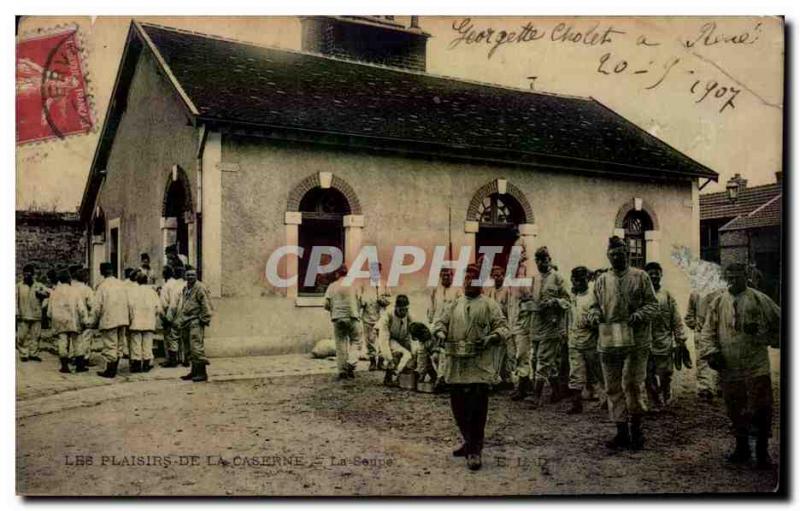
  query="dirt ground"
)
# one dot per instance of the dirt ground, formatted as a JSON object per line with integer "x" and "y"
{"x": 310, "y": 435}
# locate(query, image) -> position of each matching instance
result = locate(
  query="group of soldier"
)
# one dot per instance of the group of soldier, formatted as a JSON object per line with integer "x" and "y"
{"x": 124, "y": 314}
{"x": 615, "y": 335}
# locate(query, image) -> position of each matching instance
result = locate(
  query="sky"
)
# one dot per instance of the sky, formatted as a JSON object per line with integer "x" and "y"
{"x": 710, "y": 87}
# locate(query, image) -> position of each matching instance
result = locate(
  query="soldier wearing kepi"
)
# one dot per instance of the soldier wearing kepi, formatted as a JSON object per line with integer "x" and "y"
{"x": 29, "y": 314}
{"x": 111, "y": 300}
{"x": 550, "y": 301}
{"x": 584, "y": 361}
{"x": 80, "y": 279}
{"x": 740, "y": 325}
{"x": 473, "y": 331}
{"x": 667, "y": 331}
{"x": 194, "y": 315}
{"x": 624, "y": 303}
{"x": 67, "y": 314}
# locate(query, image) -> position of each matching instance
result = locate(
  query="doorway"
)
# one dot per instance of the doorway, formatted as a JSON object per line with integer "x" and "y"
{"x": 498, "y": 219}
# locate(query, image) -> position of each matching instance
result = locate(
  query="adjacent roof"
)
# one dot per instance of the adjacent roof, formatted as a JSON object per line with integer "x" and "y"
{"x": 767, "y": 215}
{"x": 229, "y": 82}
{"x": 718, "y": 206}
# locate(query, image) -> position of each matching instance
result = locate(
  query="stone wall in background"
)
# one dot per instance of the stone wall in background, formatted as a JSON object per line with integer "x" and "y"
{"x": 48, "y": 240}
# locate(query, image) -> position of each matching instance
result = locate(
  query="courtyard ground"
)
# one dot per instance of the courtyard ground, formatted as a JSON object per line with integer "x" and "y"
{"x": 284, "y": 426}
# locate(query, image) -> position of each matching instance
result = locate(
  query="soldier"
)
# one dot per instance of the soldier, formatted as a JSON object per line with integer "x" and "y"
{"x": 442, "y": 295}
{"x": 170, "y": 295}
{"x": 624, "y": 303}
{"x": 584, "y": 361}
{"x": 80, "y": 279}
{"x": 707, "y": 379}
{"x": 193, "y": 316}
{"x": 667, "y": 332}
{"x": 29, "y": 296}
{"x": 524, "y": 361}
{"x": 473, "y": 331}
{"x": 145, "y": 307}
{"x": 504, "y": 298}
{"x": 67, "y": 314}
{"x": 394, "y": 340}
{"x": 341, "y": 302}
{"x": 741, "y": 323}
{"x": 550, "y": 300}
{"x": 144, "y": 268}
{"x": 111, "y": 300}
{"x": 373, "y": 299}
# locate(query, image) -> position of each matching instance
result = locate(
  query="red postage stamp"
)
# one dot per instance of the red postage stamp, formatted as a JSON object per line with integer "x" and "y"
{"x": 51, "y": 98}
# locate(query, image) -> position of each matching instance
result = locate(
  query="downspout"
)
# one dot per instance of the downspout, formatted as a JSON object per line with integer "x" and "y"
{"x": 201, "y": 146}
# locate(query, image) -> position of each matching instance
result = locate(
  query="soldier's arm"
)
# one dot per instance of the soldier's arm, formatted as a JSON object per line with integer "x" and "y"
{"x": 205, "y": 308}
{"x": 676, "y": 323}
{"x": 691, "y": 311}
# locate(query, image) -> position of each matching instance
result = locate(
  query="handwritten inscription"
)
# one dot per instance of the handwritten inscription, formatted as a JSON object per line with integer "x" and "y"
{"x": 650, "y": 70}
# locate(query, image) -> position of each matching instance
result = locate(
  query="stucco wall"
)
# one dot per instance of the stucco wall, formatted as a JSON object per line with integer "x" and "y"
{"x": 405, "y": 201}
{"x": 153, "y": 136}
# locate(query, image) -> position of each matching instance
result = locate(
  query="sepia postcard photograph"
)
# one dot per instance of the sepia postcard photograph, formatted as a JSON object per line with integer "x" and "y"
{"x": 399, "y": 256}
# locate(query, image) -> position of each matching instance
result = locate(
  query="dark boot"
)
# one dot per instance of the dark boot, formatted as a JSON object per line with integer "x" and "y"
{"x": 522, "y": 390}
{"x": 80, "y": 364}
{"x": 146, "y": 366}
{"x": 666, "y": 389}
{"x": 111, "y": 370}
{"x": 762, "y": 452}
{"x": 136, "y": 366}
{"x": 388, "y": 378}
{"x": 538, "y": 389}
{"x": 741, "y": 453}
{"x": 172, "y": 360}
{"x": 201, "y": 374}
{"x": 192, "y": 373}
{"x": 637, "y": 435}
{"x": 577, "y": 403}
{"x": 474, "y": 461}
{"x": 555, "y": 390}
{"x": 623, "y": 438}
{"x": 64, "y": 365}
{"x": 373, "y": 363}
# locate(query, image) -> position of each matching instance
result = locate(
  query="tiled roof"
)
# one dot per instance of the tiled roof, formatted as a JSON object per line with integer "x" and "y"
{"x": 768, "y": 215}
{"x": 717, "y": 205}
{"x": 239, "y": 83}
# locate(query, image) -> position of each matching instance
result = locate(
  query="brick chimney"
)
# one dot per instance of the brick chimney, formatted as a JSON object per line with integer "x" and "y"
{"x": 374, "y": 39}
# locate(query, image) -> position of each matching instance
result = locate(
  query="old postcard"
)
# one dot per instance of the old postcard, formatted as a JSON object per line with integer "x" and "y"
{"x": 399, "y": 256}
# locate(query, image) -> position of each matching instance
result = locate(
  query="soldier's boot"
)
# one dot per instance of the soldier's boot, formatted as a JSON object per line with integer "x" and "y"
{"x": 136, "y": 366}
{"x": 666, "y": 389}
{"x": 637, "y": 435}
{"x": 381, "y": 365}
{"x": 146, "y": 366}
{"x": 622, "y": 440}
{"x": 538, "y": 390}
{"x": 80, "y": 364}
{"x": 192, "y": 373}
{"x": 202, "y": 374}
{"x": 64, "y": 365}
{"x": 741, "y": 453}
{"x": 388, "y": 378}
{"x": 763, "y": 459}
{"x": 373, "y": 363}
{"x": 577, "y": 402}
{"x": 111, "y": 370}
{"x": 522, "y": 390}
{"x": 172, "y": 359}
{"x": 555, "y": 390}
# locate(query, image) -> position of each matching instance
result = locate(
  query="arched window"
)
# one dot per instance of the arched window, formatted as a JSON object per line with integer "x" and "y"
{"x": 323, "y": 210}
{"x": 498, "y": 216}
{"x": 635, "y": 224}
